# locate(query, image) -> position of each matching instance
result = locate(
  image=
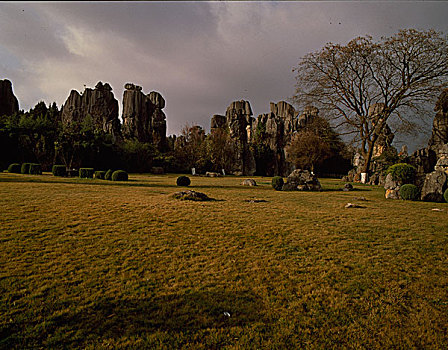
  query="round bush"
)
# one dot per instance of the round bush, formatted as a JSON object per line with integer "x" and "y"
{"x": 277, "y": 183}
{"x": 445, "y": 195}
{"x": 35, "y": 169}
{"x": 14, "y": 168}
{"x": 183, "y": 181}
{"x": 119, "y": 175}
{"x": 409, "y": 192}
{"x": 86, "y": 173}
{"x": 402, "y": 173}
{"x": 108, "y": 175}
{"x": 99, "y": 174}
{"x": 59, "y": 170}
{"x": 25, "y": 168}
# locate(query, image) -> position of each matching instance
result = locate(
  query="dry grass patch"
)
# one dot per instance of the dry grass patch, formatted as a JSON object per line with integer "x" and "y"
{"x": 90, "y": 263}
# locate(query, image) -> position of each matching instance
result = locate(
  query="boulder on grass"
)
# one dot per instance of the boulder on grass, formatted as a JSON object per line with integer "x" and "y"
{"x": 434, "y": 186}
{"x": 249, "y": 182}
{"x": 192, "y": 196}
{"x": 302, "y": 180}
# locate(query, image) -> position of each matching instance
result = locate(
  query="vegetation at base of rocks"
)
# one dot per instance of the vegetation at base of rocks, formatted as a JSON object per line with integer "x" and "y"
{"x": 183, "y": 181}
{"x": 86, "y": 173}
{"x": 119, "y": 175}
{"x": 35, "y": 169}
{"x": 445, "y": 195}
{"x": 14, "y": 168}
{"x": 403, "y": 173}
{"x": 108, "y": 175}
{"x": 99, "y": 174}
{"x": 25, "y": 168}
{"x": 409, "y": 192}
{"x": 277, "y": 183}
{"x": 299, "y": 271}
{"x": 59, "y": 170}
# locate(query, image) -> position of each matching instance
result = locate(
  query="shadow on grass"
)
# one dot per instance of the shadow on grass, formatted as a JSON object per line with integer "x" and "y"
{"x": 112, "y": 319}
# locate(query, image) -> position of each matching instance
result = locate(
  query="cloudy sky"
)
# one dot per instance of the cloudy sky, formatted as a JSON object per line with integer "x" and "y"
{"x": 199, "y": 55}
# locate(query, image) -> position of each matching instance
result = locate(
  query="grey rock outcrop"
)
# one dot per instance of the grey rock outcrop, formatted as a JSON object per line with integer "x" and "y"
{"x": 392, "y": 188}
{"x": 143, "y": 118}
{"x": 98, "y": 103}
{"x": 439, "y": 135}
{"x": 434, "y": 186}
{"x": 302, "y": 180}
{"x": 249, "y": 182}
{"x": 239, "y": 121}
{"x": 8, "y": 101}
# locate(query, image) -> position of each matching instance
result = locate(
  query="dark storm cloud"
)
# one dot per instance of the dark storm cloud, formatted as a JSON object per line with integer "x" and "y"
{"x": 199, "y": 55}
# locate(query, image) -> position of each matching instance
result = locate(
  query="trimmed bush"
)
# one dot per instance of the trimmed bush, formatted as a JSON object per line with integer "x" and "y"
{"x": 277, "y": 183}
{"x": 119, "y": 175}
{"x": 59, "y": 170}
{"x": 108, "y": 175}
{"x": 14, "y": 168}
{"x": 25, "y": 168}
{"x": 35, "y": 169}
{"x": 409, "y": 192}
{"x": 402, "y": 173}
{"x": 445, "y": 195}
{"x": 99, "y": 174}
{"x": 183, "y": 181}
{"x": 86, "y": 173}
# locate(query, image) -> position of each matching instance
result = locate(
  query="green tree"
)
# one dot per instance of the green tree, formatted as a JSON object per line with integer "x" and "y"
{"x": 396, "y": 76}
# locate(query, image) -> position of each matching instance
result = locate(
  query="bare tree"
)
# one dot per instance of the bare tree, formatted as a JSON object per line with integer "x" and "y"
{"x": 396, "y": 78}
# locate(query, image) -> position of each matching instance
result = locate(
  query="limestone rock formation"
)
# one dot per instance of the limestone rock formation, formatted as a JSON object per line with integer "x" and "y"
{"x": 302, "y": 180}
{"x": 8, "y": 102}
{"x": 99, "y": 103}
{"x": 249, "y": 182}
{"x": 442, "y": 159}
{"x": 239, "y": 120}
{"x": 218, "y": 121}
{"x": 434, "y": 186}
{"x": 439, "y": 135}
{"x": 143, "y": 117}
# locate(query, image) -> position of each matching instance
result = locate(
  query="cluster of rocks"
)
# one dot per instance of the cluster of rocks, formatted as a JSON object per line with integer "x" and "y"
{"x": 302, "y": 180}
{"x": 8, "y": 101}
{"x": 143, "y": 118}
{"x": 274, "y": 129}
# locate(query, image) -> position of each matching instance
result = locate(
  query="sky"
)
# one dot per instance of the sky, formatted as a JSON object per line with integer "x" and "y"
{"x": 200, "y": 56}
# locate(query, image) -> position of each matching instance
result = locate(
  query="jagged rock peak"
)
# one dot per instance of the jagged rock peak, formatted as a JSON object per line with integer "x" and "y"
{"x": 218, "y": 121}
{"x": 130, "y": 86}
{"x": 439, "y": 135}
{"x": 99, "y": 103}
{"x": 241, "y": 107}
{"x": 282, "y": 109}
{"x": 8, "y": 101}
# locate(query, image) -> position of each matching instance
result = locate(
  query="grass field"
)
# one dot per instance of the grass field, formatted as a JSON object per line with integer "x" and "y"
{"x": 96, "y": 264}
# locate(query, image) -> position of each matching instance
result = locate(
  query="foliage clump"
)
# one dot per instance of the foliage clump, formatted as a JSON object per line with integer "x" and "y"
{"x": 35, "y": 169}
{"x": 409, "y": 192}
{"x": 277, "y": 183}
{"x": 14, "y": 168}
{"x": 445, "y": 195}
{"x": 86, "y": 173}
{"x": 99, "y": 174}
{"x": 119, "y": 175}
{"x": 402, "y": 173}
{"x": 25, "y": 168}
{"x": 59, "y": 170}
{"x": 108, "y": 175}
{"x": 183, "y": 181}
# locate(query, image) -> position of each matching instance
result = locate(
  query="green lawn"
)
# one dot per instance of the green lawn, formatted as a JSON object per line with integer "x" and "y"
{"x": 97, "y": 264}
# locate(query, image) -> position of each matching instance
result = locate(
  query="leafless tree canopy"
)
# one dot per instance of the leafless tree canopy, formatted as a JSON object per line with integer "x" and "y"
{"x": 401, "y": 73}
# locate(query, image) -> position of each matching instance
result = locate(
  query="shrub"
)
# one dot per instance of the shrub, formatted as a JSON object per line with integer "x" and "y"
{"x": 119, "y": 175}
{"x": 108, "y": 175}
{"x": 86, "y": 173}
{"x": 35, "y": 169}
{"x": 14, "y": 168}
{"x": 402, "y": 173}
{"x": 445, "y": 195}
{"x": 59, "y": 170}
{"x": 277, "y": 183}
{"x": 183, "y": 181}
{"x": 409, "y": 192}
{"x": 99, "y": 174}
{"x": 25, "y": 168}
